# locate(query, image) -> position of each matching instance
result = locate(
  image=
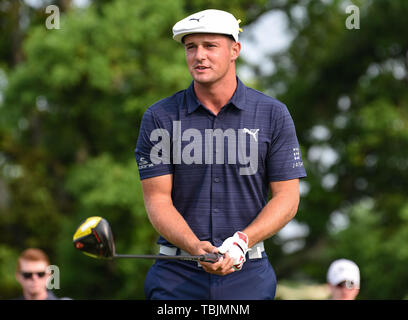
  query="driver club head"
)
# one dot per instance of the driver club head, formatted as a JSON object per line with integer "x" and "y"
{"x": 94, "y": 238}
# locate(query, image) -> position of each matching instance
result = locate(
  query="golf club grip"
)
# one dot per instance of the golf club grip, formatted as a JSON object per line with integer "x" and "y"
{"x": 211, "y": 257}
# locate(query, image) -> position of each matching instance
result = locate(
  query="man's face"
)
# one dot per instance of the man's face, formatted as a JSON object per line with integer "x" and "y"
{"x": 210, "y": 56}
{"x": 343, "y": 292}
{"x": 30, "y": 276}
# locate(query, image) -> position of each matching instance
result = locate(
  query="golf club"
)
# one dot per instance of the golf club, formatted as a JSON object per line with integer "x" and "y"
{"x": 94, "y": 238}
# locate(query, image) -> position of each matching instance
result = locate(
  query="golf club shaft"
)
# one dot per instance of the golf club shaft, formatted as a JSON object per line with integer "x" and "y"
{"x": 209, "y": 257}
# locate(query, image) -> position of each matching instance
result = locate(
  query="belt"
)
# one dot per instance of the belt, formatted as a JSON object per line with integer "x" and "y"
{"x": 255, "y": 252}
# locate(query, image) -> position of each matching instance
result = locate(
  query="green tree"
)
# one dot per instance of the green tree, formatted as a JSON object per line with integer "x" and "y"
{"x": 350, "y": 85}
{"x": 77, "y": 98}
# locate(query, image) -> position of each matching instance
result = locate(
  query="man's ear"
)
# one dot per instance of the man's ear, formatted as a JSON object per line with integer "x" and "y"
{"x": 18, "y": 277}
{"x": 235, "y": 50}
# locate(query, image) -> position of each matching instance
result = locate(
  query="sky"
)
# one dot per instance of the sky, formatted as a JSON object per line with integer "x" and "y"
{"x": 267, "y": 35}
{"x": 39, "y": 3}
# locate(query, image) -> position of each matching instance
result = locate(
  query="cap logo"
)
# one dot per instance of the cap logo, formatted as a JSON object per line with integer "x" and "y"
{"x": 198, "y": 19}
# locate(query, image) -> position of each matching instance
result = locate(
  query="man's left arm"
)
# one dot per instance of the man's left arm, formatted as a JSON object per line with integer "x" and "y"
{"x": 277, "y": 212}
{"x": 284, "y": 168}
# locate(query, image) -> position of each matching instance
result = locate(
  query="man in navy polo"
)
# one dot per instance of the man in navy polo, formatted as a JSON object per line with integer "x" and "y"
{"x": 207, "y": 157}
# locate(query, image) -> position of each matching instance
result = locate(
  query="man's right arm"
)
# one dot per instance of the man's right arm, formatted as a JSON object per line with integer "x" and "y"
{"x": 170, "y": 224}
{"x": 165, "y": 218}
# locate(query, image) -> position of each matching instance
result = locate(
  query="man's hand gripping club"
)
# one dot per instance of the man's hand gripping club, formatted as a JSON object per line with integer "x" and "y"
{"x": 221, "y": 267}
{"x": 233, "y": 250}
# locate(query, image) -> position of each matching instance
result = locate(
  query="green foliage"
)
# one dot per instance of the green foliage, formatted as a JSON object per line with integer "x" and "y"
{"x": 112, "y": 190}
{"x": 70, "y": 117}
{"x": 353, "y": 83}
{"x": 102, "y": 71}
{"x": 378, "y": 251}
{"x": 8, "y": 263}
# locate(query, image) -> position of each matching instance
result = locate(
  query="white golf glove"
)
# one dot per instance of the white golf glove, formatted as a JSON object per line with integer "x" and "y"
{"x": 237, "y": 247}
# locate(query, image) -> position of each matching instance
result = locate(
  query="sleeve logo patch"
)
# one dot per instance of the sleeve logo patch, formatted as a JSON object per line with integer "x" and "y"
{"x": 296, "y": 157}
{"x": 143, "y": 163}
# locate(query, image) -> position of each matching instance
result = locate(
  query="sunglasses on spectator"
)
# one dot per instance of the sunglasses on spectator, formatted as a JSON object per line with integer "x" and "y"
{"x": 346, "y": 284}
{"x": 29, "y": 275}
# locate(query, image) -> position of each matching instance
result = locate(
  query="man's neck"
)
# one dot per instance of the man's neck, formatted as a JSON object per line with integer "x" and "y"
{"x": 36, "y": 296}
{"x": 215, "y": 96}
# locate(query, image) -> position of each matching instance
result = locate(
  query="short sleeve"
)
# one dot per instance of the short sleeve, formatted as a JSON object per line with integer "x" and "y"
{"x": 284, "y": 160}
{"x": 153, "y": 140}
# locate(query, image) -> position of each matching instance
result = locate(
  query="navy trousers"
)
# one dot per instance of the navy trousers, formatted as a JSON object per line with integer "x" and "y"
{"x": 185, "y": 280}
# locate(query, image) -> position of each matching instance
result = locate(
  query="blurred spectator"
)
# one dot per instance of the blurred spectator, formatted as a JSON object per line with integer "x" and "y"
{"x": 32, "y": 274}
{"x": 343, "y": 278}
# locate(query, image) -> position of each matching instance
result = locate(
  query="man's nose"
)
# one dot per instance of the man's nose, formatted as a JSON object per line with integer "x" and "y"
{"x": 36, "y": 277}
{"x": 200, "y": 53}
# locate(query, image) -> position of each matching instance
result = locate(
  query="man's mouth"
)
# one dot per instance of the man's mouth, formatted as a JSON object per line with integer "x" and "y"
{"x": 201, "y": 67}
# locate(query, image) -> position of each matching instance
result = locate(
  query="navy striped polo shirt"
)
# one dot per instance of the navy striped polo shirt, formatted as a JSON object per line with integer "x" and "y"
{"x": 221, "y": 164}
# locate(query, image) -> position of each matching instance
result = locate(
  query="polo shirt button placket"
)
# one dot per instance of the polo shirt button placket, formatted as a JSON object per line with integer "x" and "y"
{"x": 217, "y": 187}
{"x": 216, "y": 203}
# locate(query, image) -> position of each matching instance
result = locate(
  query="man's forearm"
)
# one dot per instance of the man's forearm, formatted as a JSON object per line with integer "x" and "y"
{"x": 170, "y": 224}
{"x": 273, "y": 217}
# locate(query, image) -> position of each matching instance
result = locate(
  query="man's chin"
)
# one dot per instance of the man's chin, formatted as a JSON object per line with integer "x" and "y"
{"x": 34, "y": 290}
{"x": 203, "y": 80}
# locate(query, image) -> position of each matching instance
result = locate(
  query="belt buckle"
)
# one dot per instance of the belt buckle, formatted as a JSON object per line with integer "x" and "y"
{"x": 256, "y": 251}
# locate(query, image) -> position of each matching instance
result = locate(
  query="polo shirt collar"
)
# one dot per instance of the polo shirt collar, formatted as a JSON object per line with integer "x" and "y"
{"x": 238, "y": 99}
{"x": 192, "y": 100}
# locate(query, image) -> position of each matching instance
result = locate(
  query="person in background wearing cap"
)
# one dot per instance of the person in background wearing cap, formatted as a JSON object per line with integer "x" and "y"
{"x": 343, "y": 278}
{"x": 206, "y": 195}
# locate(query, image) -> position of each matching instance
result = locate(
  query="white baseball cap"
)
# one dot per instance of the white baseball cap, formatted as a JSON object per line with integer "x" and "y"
{"x": 344, "y": 270}
{"x": 207, "y": 21}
